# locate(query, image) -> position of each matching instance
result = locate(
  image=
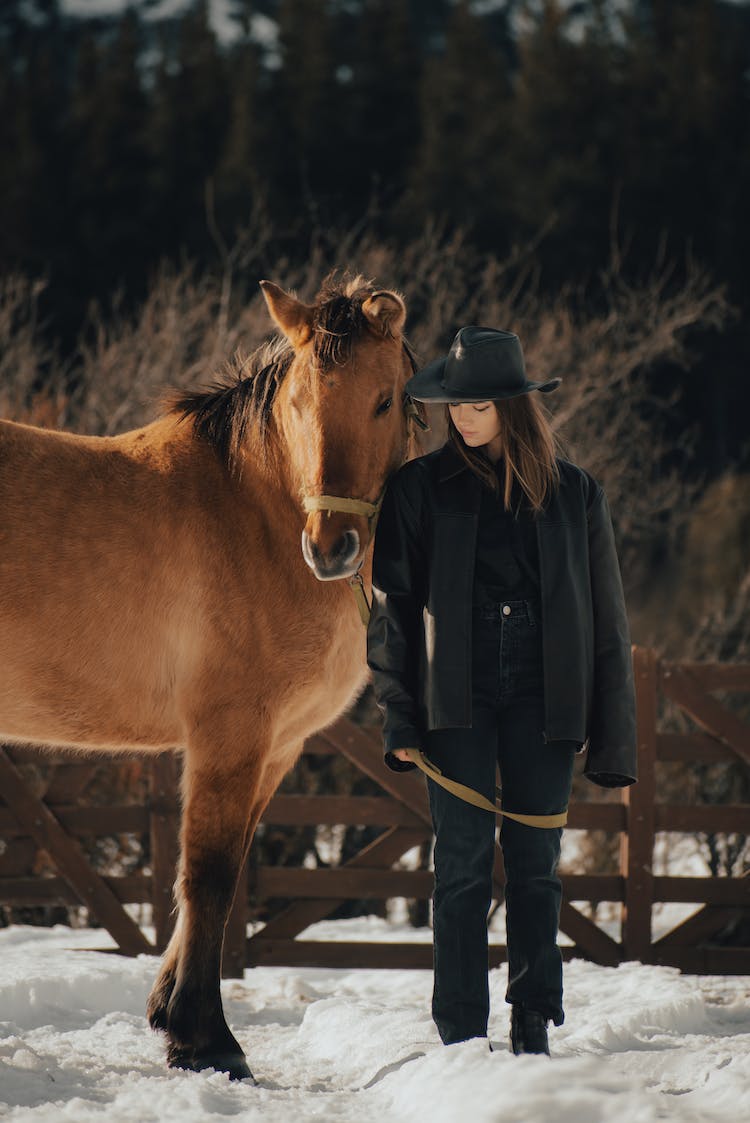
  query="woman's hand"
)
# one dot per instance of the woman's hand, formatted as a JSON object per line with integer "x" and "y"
{"x": 398, "y": 760}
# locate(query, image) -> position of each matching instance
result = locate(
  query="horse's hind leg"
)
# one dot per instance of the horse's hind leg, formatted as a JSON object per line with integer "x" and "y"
{"x": 219, "y": 794}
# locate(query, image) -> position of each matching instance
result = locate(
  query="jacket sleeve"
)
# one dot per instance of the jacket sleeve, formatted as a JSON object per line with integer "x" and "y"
{"x": 395, "y": 629}
{"x": 611, "y": 757}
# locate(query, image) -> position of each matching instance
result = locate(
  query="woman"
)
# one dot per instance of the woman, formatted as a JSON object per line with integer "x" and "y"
{"x": 498, "y": 636}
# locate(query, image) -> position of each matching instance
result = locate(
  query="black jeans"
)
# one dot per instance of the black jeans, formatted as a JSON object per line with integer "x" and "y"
{"x": 536, "y": 776}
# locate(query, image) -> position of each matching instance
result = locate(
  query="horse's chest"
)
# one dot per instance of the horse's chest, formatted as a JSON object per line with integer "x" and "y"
{"x": 333, "y": 673}
{"x": 343, "y": 650}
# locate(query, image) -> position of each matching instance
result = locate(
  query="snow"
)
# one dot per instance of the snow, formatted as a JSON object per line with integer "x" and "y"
{"x": 639, "y": 1043}
{"x": 221, "y": 16}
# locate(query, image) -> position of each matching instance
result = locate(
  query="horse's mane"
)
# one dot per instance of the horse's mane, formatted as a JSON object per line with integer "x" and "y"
{"x": 243, "y": 395}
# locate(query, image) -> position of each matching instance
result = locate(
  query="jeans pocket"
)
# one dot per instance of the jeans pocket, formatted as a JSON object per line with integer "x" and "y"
{"x": 533, "y": 615}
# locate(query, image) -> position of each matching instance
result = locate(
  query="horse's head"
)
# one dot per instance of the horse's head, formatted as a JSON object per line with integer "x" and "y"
{"x": 341, "y": 414}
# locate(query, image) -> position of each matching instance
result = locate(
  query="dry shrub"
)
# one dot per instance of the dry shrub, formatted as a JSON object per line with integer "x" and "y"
{"x": 721, "y": 633}
{"x": 708, "y": 583}
{"x": 32, "y": 376}
{"x": 709, "y": 621}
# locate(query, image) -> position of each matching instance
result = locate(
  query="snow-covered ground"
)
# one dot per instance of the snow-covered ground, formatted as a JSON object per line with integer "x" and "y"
{"x": 638, "y": 1044}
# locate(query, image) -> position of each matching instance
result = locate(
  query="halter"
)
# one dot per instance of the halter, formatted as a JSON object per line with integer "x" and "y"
{"x": 342, "y": 503}
{"x": 361, "y": 507}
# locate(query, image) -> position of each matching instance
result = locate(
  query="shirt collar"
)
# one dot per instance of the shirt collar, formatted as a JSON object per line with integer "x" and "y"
{"x": 451, "y": 462}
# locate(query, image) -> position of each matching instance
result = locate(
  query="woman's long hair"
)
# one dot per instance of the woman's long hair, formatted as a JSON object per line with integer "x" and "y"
{"x": 530, "y": 447}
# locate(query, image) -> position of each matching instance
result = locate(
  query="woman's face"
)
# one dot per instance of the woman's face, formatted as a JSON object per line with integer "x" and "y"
{"x": 477, "y": 422}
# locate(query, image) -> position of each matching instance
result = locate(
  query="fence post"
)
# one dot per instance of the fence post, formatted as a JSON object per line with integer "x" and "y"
{"x": 637, "y": 841}
{"x": 164, "y": 822}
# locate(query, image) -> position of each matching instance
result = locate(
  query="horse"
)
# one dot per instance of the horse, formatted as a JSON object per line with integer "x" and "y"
{"x": 185, "y": 585}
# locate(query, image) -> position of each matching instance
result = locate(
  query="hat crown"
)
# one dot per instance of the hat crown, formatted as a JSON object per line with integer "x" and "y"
{"x": 483, "y": 364}
{"x": 484, "y": 359}
{"x": 473, "y": 337}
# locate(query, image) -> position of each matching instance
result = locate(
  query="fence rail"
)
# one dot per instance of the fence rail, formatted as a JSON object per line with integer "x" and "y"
{"x": 42, "y": 825}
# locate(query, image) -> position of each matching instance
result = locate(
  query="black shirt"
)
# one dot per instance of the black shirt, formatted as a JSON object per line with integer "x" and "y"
{"x": 507, "y": 554}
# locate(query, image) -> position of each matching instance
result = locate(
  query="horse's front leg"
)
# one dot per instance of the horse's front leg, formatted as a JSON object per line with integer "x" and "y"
{"x": 220, "y": 795}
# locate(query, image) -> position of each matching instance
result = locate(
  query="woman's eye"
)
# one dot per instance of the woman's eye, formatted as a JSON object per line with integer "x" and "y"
{"x": 384, "y": 406}
{"x": 483, "y": 409}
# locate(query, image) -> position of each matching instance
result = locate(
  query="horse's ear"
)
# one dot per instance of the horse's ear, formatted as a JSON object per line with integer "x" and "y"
{"x": 293, "y": 317}
{"x": 386, "y": 312}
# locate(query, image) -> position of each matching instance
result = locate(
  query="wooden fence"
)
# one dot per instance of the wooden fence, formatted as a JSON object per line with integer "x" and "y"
{"x": 42, "y": 822}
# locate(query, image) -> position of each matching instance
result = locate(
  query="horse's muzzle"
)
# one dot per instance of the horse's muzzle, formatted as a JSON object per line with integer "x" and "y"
{"x": 340, "y": 561}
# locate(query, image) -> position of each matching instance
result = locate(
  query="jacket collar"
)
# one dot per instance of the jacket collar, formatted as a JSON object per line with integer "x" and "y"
{"x": 450, "y": 464}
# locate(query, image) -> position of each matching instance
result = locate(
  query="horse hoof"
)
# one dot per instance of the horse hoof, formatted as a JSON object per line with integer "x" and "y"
{"x": 234, "y": 1064}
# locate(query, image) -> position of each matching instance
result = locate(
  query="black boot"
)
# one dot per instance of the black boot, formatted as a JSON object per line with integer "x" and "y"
{"x": 528, "y": 1031}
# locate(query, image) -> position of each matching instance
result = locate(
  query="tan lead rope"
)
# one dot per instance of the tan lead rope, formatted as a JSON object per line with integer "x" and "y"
{"x": 470, "y": 796}
{"x": 357, "y": 586}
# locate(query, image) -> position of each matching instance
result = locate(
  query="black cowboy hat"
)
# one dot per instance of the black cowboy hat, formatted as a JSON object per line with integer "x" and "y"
{"x": 483, "y": 364}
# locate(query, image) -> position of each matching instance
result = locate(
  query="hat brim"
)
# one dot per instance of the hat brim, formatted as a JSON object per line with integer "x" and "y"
{"x": 427, "y": 386}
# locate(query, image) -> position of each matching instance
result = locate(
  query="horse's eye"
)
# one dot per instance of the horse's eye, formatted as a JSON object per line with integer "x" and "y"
{"x": 384, "y": 406}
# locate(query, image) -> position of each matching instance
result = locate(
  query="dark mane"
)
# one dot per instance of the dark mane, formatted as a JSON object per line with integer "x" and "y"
{"x": 244, "y": 394}
{"x": 241, "y": 398}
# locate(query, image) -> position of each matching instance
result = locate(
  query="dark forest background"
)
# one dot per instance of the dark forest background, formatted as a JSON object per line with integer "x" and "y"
{"x": 564, "y": 128}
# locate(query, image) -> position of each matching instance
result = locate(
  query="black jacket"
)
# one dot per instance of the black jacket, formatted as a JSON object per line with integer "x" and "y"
{"x": 419, "y": 636}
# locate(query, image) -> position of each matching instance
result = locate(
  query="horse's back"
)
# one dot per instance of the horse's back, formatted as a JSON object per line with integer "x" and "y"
{"x": 69, "y": 506}
{"x": 86, "y": 570}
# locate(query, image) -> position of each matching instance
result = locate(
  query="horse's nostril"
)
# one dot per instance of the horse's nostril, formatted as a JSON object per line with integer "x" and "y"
{"x": 347, "y": 545}
{"x": 315, "y": 553}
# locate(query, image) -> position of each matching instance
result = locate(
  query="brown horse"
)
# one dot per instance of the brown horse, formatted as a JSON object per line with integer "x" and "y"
{"x": 153, "y": 593}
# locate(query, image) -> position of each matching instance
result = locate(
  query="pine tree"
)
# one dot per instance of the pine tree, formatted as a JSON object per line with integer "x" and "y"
{"x": 383, "y": 102}
{"x": 34, "y": 180}
{"x": 462, "y": 169}
{"x": 188, "y": 131}
{"x": 241, "y": 173}
{"x": 306, "y": 103}
{"x": 565, "y": 144}
{"x": 109, "y": 158}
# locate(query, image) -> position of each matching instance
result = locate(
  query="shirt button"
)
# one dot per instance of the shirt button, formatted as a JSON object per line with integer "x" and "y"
{"x": 506, "y": 610}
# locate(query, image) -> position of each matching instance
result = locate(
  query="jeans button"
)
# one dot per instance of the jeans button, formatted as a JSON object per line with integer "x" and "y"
{"x": 506, "y": 610}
